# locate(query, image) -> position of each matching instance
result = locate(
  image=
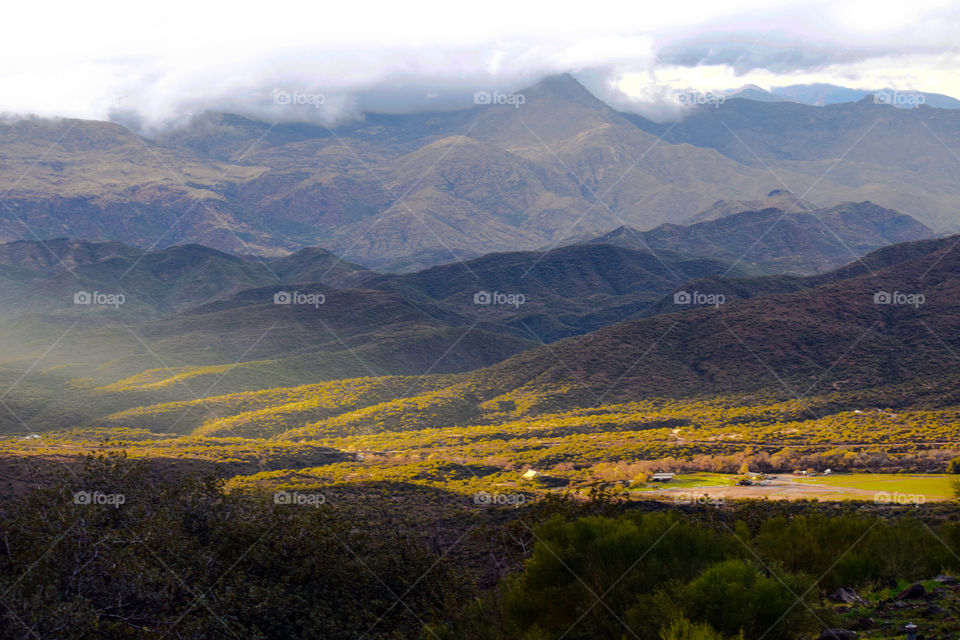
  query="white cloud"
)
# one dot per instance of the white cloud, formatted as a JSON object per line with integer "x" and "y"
{"x": 183, "y": 57}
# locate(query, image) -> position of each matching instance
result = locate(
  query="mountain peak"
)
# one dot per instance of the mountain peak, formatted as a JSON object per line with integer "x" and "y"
{"x": 777, "y": 198}
{"x": 563, "y": 87}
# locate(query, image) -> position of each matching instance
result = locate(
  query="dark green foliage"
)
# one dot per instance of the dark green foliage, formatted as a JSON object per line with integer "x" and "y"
{"x": 187, "y": 560}
{"x": 671, "y": 576}
{"x": 954, "y": 466}
{"x": 737, "y": 596}
{"x": 847, "y": 549}
{"x": 576, "y": 563}
{"x": 683, "y": 629}
{"x": 642, "y": 574}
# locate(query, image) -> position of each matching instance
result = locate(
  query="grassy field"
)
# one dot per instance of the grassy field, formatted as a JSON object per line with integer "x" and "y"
{"x": 880, "y": 488}
{"x": 932, "y": 486}
{"x": 690, "y": 481}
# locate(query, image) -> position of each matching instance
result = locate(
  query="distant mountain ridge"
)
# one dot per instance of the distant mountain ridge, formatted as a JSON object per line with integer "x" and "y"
{"x": 900, "y": 159}
{"x": 800, "y": 336}
{"x": 776, "y": 199}
{"x": 820, "y": 334}
{"x": 585, "y": 281}
{"x": 443, "y": 320}
{"x": 44, "y": 276}
{"x": 821, "y": 94}
{"x": 415, "y": 190}
{"x": 786, "y": 239}
{"x": 827, "y": 335}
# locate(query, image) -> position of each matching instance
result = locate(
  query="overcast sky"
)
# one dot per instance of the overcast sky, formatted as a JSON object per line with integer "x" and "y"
{"x": 165, "y": 61}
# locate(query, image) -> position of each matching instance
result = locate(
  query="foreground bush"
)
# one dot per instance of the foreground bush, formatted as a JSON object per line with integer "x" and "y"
{"x": 669, "y": 576}
{"x": 186, "y": 560}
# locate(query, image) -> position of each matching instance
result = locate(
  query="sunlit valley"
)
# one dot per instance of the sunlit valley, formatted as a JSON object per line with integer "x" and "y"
{"x": 540, "y": 362}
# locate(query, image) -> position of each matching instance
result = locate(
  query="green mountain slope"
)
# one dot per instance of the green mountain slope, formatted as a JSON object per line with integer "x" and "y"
{"x": 813, "y": 340}
{"x": 789, "y": 336}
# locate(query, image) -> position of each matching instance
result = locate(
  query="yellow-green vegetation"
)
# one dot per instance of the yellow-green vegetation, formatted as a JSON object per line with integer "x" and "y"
{"x": 153, "y": 379}
{"x": 398, "y": 414}
{"x": 137, "y": 443}
{"x": 449, "y": 476}
{"x": 268, "y": 412}
{"x": 441, "y": 431}
{"x": 936, "y": 486}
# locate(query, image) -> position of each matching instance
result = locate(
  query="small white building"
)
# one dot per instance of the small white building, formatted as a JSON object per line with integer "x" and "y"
{"x": 662, "y": 477}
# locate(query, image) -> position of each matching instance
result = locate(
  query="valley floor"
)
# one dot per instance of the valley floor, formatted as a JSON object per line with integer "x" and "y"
{"x": 879, "y": 488}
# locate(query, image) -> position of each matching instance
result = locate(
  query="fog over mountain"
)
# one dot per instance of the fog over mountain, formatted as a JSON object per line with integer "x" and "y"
{"x": 235, "y": 58}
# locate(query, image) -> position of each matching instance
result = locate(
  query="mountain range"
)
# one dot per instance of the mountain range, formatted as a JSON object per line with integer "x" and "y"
{"x": 830, "y": 334}
{"x": 409, "y": 191}
{"x": 780, "y": 235}
{"x": 885, "y": 320}
{"x": 820, "y": 94}
{"x": 901, "y": 159}
{"x": 196, "y": 320}
{"x": 789, "y": 238}
{"x": 501, "y": 259}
